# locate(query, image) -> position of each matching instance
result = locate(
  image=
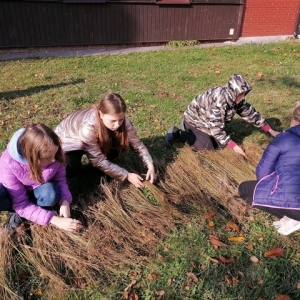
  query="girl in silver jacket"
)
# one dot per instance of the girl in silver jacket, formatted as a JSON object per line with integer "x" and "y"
{"x": 102, "y": 133}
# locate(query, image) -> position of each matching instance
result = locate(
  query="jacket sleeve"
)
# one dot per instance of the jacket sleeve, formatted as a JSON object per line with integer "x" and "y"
{"x": 20, "y": 201}
{"x": 137, "y": 145}
{"x": 246, "y": 111}
{"x": 96, "y": 157}
{"x": 269, "y": 159}
{"x": 216, "y": 124}
{"x": 60, "y": 179}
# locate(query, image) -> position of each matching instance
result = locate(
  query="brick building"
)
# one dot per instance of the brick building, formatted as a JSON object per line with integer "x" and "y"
{"x": 270, "y": 17}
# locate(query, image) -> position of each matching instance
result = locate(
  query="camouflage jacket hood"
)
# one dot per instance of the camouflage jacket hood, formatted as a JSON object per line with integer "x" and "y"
{"x": 210, "y": 111}
{"x": 236, "y": 85}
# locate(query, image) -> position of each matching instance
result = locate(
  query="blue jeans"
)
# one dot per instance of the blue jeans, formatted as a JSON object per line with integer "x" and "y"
{"x": 46, "y": 195}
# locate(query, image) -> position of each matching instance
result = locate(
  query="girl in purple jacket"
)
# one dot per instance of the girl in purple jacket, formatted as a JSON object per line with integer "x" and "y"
{"x": 33, "y": 179}
{"x": 277, "y": 188}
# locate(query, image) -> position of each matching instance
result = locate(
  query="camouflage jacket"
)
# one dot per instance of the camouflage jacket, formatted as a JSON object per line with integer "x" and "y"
{"x": 210, "y": 111}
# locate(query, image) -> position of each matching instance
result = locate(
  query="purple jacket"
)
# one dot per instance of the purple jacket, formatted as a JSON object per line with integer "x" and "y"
{"x": 278, "y": 172}
{"x": 15, "y": 177}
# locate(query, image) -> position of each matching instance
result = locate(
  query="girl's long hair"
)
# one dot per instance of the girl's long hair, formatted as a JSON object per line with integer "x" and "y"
{"x": 34, "y": 143}
{"x": 112, "y": 104}
{"x": 296, "y": 113}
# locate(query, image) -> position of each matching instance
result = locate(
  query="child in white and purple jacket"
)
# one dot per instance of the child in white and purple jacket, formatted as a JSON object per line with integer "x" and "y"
{"x": 33, "y": 179}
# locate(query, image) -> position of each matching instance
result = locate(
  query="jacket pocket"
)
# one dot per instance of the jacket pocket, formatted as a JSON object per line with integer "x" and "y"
{"x": 274, "y": 188}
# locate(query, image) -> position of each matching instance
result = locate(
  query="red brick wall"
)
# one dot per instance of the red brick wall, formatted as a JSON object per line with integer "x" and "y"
{"x": 270, "y": 17}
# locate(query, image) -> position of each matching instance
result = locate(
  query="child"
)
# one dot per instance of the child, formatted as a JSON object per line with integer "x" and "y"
{"x": 277, "y": 188}
{"x": 206, "y": 116}
{"x": 102, "y": 133}
{"x": 32, "y": 179}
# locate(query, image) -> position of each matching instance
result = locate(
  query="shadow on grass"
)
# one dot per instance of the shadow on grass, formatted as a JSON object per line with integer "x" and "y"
{"x": 10, "y": 95}
{"x": 239, "y": 129}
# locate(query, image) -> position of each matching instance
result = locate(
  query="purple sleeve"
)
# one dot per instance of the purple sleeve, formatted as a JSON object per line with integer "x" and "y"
{"x": 20, "y": 201}
{"x": 60, "y": 179}
{"x": 268, "y": 161}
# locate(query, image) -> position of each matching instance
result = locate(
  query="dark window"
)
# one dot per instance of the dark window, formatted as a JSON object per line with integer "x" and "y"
{"x": 172, "y": 2}
{"x": 133, "y": 1}
{"x": 84, "y": 1}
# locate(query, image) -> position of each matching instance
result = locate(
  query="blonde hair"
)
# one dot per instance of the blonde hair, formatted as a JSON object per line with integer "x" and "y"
{"x": 296, "y": 113}
{"x": 34, "y": 143}
{"x": 112, "y": 104}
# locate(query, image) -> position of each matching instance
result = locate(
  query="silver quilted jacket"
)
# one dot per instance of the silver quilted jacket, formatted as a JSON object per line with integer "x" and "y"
{"x": 79, "y": 131}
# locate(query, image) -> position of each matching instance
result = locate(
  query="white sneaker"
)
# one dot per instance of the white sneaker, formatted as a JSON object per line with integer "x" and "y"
{"x": 289, "y": 227}
{"x": 280, "y": 222}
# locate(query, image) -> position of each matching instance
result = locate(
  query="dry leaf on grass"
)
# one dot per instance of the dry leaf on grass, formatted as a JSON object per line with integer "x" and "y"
{"x": 159, "y": 294}
{"x": 226, "y": 260}
{"x": 209, "y": 215}
{"x": 152, "y": 276}
{"x": 254, "y": 259}
{"x": 249, "y": 247}
{"x": 215, "y": 241}
{"x": 282, "y": 297}
{"x": 127, "y": 293}
{"x": 236, "y": 239}
{"x": 232, "y": 226}
{"x": 277, "y": 252}
{"x": 192, "y": 276}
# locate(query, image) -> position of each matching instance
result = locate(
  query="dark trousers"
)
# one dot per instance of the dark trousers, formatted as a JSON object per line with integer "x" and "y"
{"x": 246, "y": 191}
{"x": 45, "y": 195}
{"x": 74, "y": 164}
{"x": 198, "y": 139}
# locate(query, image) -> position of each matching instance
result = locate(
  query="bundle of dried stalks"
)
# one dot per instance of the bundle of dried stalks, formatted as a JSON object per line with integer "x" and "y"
{"x": 6, "y": 267}
{"x": 124, "y": 224}
{"x": 211, "y": 175}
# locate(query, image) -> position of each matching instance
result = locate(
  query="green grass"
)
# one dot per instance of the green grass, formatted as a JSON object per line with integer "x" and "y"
{"x": 157, "y": 87}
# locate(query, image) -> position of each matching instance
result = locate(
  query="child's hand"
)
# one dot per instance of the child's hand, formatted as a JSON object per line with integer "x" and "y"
{"x": 67, "y": 224}
{"x": 239, "y": 150}
{"x": 151, "y": 173}
{"x": 64, "y": 210}
{"x": 273, "y": 132}
{"x": 135, "y": 179}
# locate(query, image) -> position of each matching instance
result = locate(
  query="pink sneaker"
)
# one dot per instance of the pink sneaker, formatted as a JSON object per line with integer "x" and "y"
{"x": 289, "y": 227}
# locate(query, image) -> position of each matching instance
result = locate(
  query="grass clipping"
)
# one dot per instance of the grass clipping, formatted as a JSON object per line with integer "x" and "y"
{"x": 124, "y": 224}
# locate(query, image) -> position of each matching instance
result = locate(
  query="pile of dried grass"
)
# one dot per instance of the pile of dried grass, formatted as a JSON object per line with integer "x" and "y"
{"x": 125, "y": 224}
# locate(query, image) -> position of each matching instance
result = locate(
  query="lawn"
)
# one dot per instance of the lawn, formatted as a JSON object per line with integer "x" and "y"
{"x": 178, "y": 239}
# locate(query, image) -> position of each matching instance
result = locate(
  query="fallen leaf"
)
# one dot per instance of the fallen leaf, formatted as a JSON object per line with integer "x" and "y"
{"x": 133, "y": 296}
{"x": 218, "y": 72}
{"x": 192, "y": 276}
{"x": 277, "y": 252}
{"x": 228, "y": 280}
{"x": 214, "y": 260}
{"x": 249, "y": 247}
{"x": 127, "y": 290}
{"x": 233, "y": 226}
{"x": 260, "y": 282}
{"x": 235, "y": 280}
{"x": 226, "y": 260}
{"x": 209, "y": 215}
{"x": 159, "y": 293}
{"x": 260, "y": 74}
{"x": 215, "y": 241}
{"x": 211, "y": 223}
{"x": 152, "y": 276}
{"x": 282, "y": 297}
{"x": 254, "y": 259}
{"x": 39, "y": 292}
{"x": 236, "y": 239}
